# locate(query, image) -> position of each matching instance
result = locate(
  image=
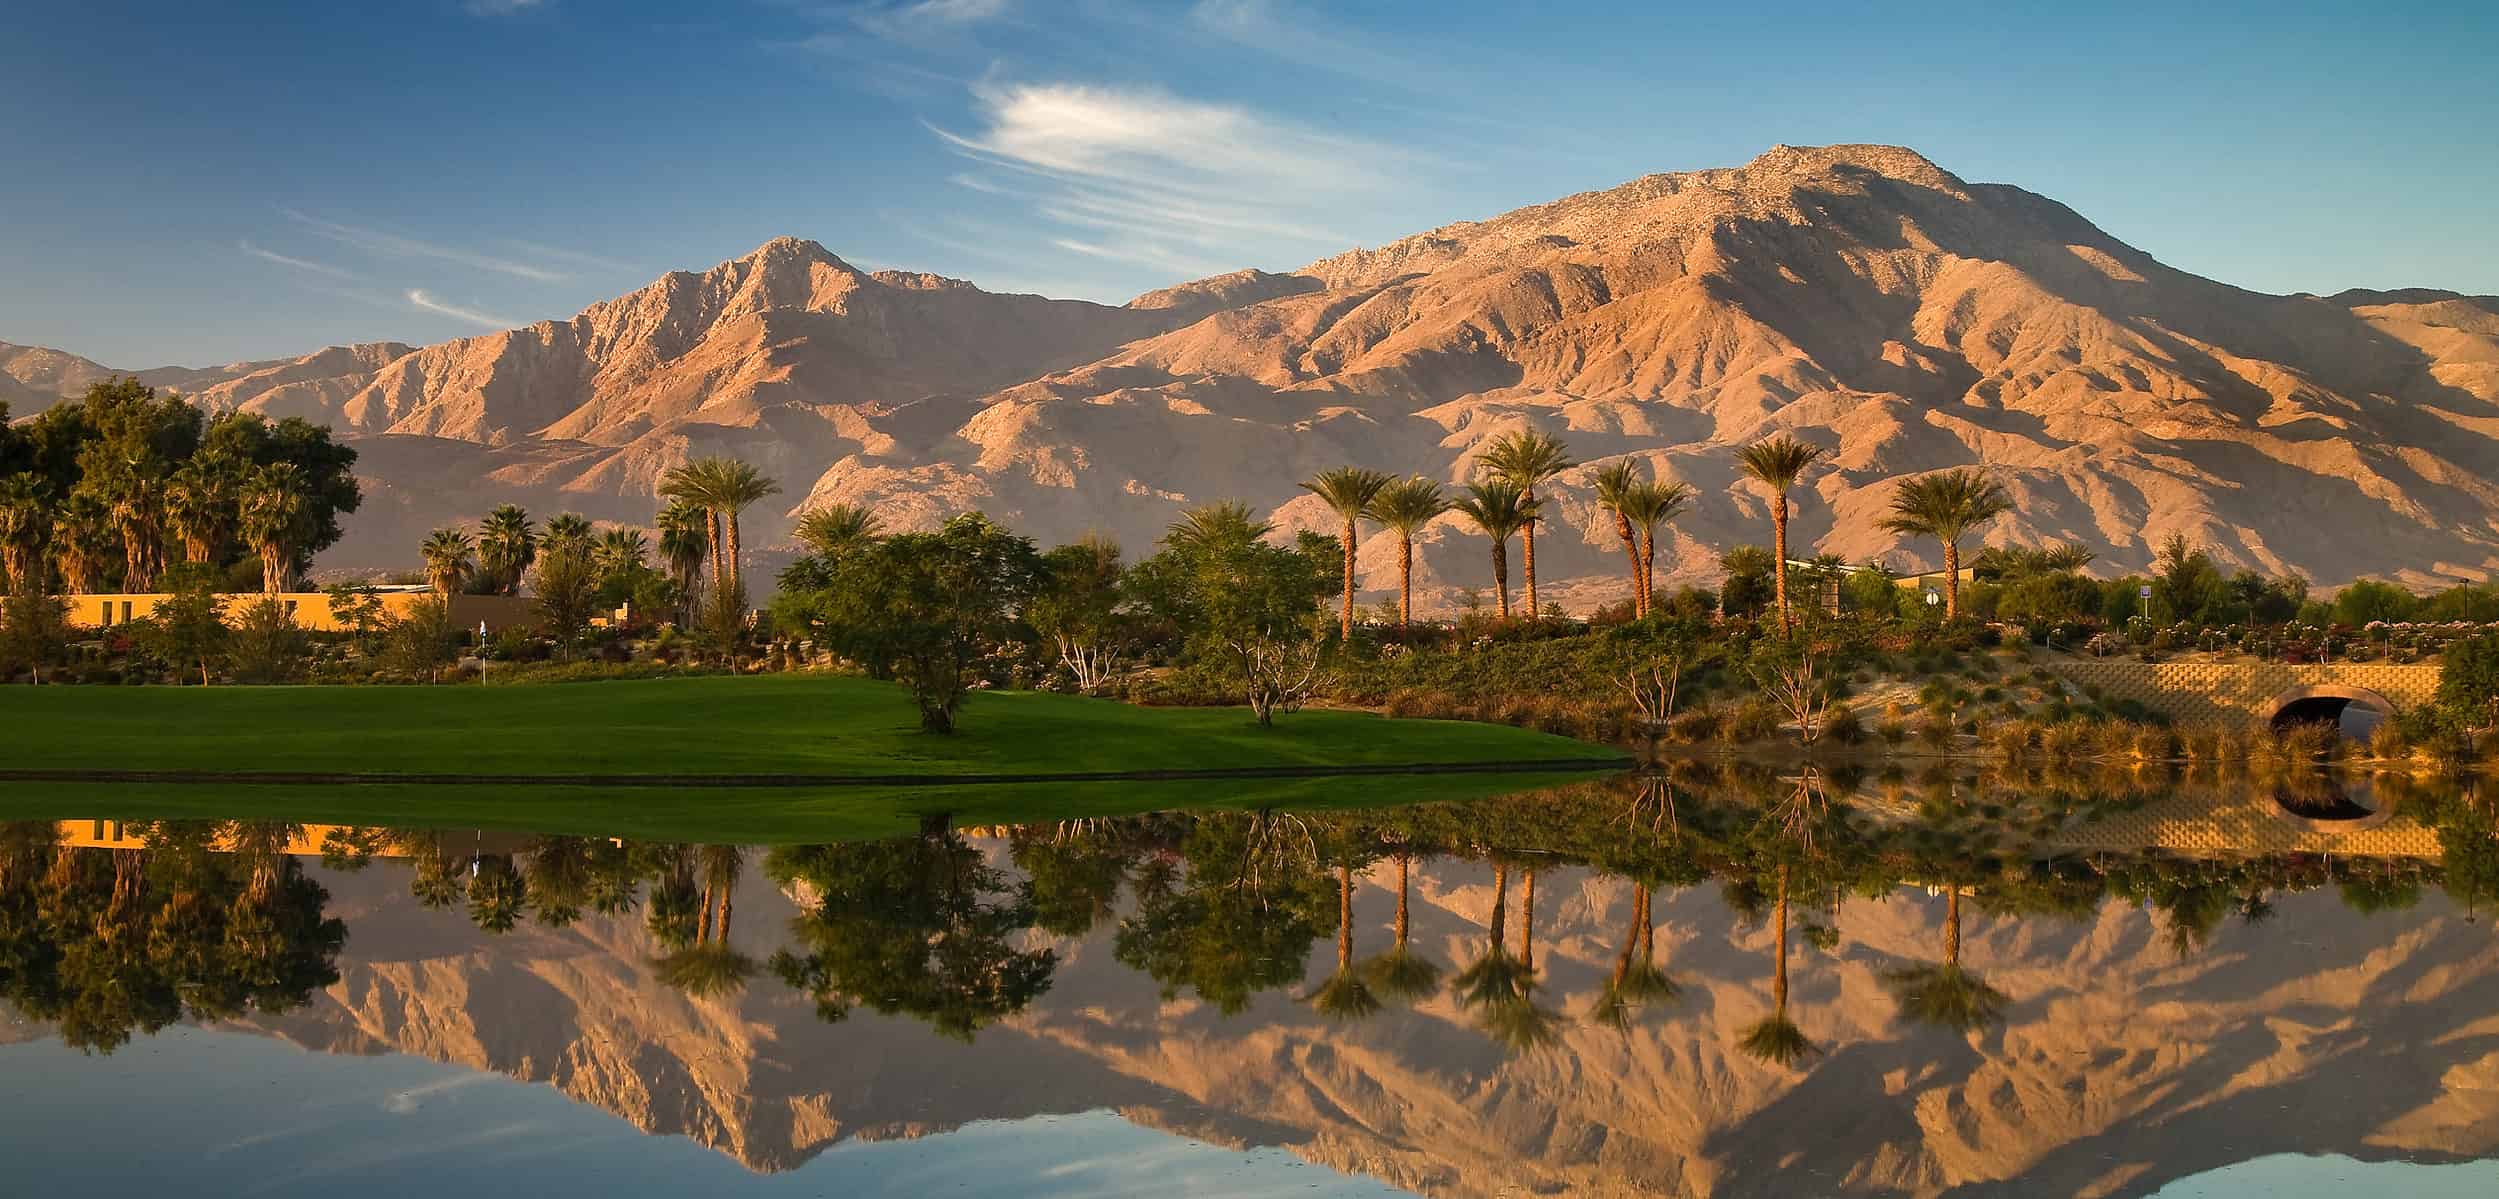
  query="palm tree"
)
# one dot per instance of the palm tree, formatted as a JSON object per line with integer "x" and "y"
{"x": 200, "y": 507}
{"x": 1400, "y": 972}
{"x": 570, "y": 528}
{"x": 1213, "y": 526}
{"x": 1776, "y": 463}
{"x": 1615, "y": 483}
{"x": 506, "y": 544}
{"x": 684, "y": 542}
{"x": 1349, "y": 491}
{"x": 1500, "y": 509}
{"x": 450, "y": 560}
{"x": 1403, "y": 508}
{"x": 1524, "y": 460}
{"x": 1635, "y": 977}
{"x": 1648, "y": 506}
{"x": 725, "y": 487}
{"x": 1346, "y": 995}
{"x": 273, "y": 504}
{"x": 135, "y": 502}
{"x": 621, "y": 551}
{"x": 837, "y": 529}
{"x": 1500, "y": 988}
{"x": 81, "y": 530}
{"x": 25, "y": 530}
{"x": 1946, "y": 507}
{"x": 711, "y": 966}
{"x": 1775, "y": 1038}
{"x": 1943, "y": 994}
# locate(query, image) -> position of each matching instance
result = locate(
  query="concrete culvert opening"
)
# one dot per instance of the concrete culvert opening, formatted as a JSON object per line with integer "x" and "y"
{"x": 2353, "y": 712}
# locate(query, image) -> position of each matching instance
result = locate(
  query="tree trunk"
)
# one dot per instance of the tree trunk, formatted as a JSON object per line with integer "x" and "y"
{"x": 1648, "y": 570}
{"x": 1778, "y": 567}
{"x": 1952, "y": 927}
{"x": 1346, "y": 624}
{"x": 1952, "y": 581}
{"x": 1501, "y": 574}
{"x": 1528, "y": 534}
{"x": 1778, "y": 985}
{"x": 735, "y": 569}
{"x": 1527, "y": 924}
{"x": 1405, "y": 582}
{"x": 1631, "y": 550}
{"x": 1500, "y": 907}
{"x": 1403, "y": 865}
{"x": 1344, "y": 919}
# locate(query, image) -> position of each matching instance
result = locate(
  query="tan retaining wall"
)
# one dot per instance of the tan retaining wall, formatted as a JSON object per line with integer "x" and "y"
{"x": 2243, "y": 695}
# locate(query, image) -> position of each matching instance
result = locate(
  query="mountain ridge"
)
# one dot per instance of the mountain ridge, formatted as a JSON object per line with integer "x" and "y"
{"x": 1862, "y": 297}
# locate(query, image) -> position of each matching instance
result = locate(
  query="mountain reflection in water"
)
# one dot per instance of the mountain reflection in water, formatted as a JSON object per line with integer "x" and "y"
{"x": 1715, "y": 984}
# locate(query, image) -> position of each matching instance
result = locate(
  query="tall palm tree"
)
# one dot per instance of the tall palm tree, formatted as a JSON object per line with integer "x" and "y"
{"x": 1403, "y": 508}
{"x": 1500, "y": 509}
{"x": 1211, "y": 526}
{"x": 135, "y": 500}
{"x": 1346, "y": 995}
{"x": 684, "y": 542}
{"x": 725, "y": 487}
{"x": 81, "y": 537}
{"x": 25, "y": 530}
{"x": 1615, "y": 482}
{"x": 506, "y": 545}
{"x": 200, "y": 507}
{"x": 1648, "y": 506}
{"x": 569, "y": 529}
{"x": 621, "y": 551}
{"x": 273, "y": 503}
{"x": 1946, "y": 507}
{"x": 1635, "y": 977}
{"x": 1775, "y": 1038}
{"x": 836, "y": 529}
{"x": 1400, "y": 972}
{"x": 450, "y": 560}
{"x": 1776, "y": 463}
{"x": 1501, "y": 989}
{"x": 1943, "y": 994}
{"x": 1523, "y": 460}
{"x": 1348, "y": 491}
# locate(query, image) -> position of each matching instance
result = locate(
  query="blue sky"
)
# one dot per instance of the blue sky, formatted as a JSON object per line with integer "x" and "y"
{"x": 187, "y": 184}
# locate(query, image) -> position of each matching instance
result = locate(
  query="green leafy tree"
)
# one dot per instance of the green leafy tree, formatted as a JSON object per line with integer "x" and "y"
{"x": 188, "y": 629}
{"x": 2367, "y": 601}
{"x": 1247, "y": 605}
{"x": 925, "y": 607}
{"x": 1078, "y": 606}
{"x": 34, "y": 633}
{"x": 2186, "y": 586}
{"x": 422, "y": 640}
{"x": 265, "y": 645}
{"x": 566, "y": 581}
{"x": 359, "y": 607}
{"x": 1747, "y": 589}
{"x": 2468, "y": 680}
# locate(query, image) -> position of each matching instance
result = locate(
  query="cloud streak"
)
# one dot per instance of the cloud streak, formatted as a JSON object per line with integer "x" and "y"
{"x": 417, "y": 298}
{"x": 375, "y": 241}
{"x": 301, "y": 264}
{"x": 1167, "y": 182}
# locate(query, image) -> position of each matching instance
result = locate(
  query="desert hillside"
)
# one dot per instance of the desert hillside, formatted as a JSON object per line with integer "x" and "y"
{"x": 1859, "y": 296}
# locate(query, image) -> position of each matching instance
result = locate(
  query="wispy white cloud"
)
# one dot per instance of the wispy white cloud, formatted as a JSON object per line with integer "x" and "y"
{"x": 419, "y": 299}
{"x": 500, "y": 8}
{"x": 1169, "y": 182}
{"x": 301, "y": 264}
{"x": 575, "y": 257}
{"x": 391, "y": 244}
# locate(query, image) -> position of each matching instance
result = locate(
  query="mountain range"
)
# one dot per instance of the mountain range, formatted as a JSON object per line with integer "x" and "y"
{"x": 1860, "y": 297}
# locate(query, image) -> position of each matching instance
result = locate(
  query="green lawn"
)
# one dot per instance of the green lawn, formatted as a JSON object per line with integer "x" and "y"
{"x": 771, "y": 724}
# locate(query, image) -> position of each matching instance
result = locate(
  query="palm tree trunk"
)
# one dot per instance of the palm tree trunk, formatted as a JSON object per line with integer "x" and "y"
{"x": 1952, "y": 581}
{"x": 1501, "y": 573}
{"x": 1494, "y": 933}
{"x": 1346, "y": 623}
{"x": 726, "y": 900}
{"x": 1778, "y": 984}
{"x": 1648, "y": 927}
{"x": 1344, "y": 919}
{"x": 703, "y": 918}
{"x": 1778, "y": 565}
{"x": 1528, "y": 533}
{"x": 720, "y": 573}
{"x": 1631, "y": 942}
{"x": 1952, "y": 927}
{"x": 1648, "y": 570}
{"x": 1527, "y": 924}
{"x": 1404, "y": 864}
{"x": 735, "y": 568}
{"x": 1405, "y": 581}
{"x": 1631, "y": 550}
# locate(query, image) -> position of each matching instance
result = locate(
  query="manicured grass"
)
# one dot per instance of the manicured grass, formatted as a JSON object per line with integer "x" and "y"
{"x": 771, "y": 724}
{"x": 745, "y": 816}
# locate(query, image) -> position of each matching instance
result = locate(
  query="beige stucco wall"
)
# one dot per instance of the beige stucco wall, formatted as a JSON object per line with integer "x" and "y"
{"x": 2243, "y": 694}
{"x": 311, "y": 609}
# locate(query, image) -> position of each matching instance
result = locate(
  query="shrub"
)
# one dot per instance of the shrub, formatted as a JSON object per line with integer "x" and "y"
{"x": 1935, "y": 732}
{"x": 1753, "y": 722}
{"x": 2064, "y": 742}
{"x": 1892, "y": 731}
{"x": 1842, "y": 724}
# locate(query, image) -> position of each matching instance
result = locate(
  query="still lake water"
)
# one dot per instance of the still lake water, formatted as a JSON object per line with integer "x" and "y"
{"x": 2029, "y": 986}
